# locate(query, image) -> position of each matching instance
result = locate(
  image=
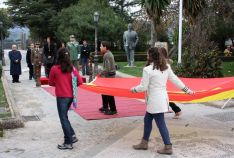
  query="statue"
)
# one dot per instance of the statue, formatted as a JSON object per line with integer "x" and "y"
{"x": 130, "y": 39}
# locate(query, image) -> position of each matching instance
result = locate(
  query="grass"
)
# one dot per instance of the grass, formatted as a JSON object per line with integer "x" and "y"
{"x": 135, "y": 71}
{"x": 3, "y": 102}
{"x": 228, "y": 68}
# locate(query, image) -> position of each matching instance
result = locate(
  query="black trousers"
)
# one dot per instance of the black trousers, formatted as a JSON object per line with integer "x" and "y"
{"x": 108, "y": 100}
{"x": 15, "y": 78}
{"x": 30, "y": 71}
{"x": 48, "y": 67}
{"x": 174, "y": 107}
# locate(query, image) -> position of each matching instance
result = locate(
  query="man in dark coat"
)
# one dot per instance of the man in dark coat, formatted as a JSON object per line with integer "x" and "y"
{"x": 85, "y": 52}
{"x": 15, "y": 65}
{"x": 49, "y": 55}
{"x": 29, "y": 62}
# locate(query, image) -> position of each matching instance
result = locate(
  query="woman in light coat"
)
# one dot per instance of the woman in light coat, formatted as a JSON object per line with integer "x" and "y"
{"x": 154, "y": 81}
{"x": 173, "y": 106}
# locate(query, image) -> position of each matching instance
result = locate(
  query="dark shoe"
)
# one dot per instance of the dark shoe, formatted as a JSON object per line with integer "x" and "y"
{"x": 38, "y": 84}
{"x": 110, "y": 112}
{"x": 143, "y": 145}
{"x": 65, "y": 146}
{"x": 167, "y": 149}
{"x": 103, "y": 110}
{"x": 74, "y": 140}
{"x": 18, "y": 82}
{"x": 30, "y": 78}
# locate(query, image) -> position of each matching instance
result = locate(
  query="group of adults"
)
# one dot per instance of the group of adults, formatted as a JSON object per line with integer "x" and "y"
{"x": 46, "y": 54}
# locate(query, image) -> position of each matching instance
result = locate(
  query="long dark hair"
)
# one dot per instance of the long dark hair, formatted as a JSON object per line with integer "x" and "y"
{"x": 64, "y": 60}
{"x": 158, "y": 60}
{"x": 164, "y": 52}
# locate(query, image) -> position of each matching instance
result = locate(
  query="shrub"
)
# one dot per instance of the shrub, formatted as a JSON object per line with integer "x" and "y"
{"x": 201, "y": 65}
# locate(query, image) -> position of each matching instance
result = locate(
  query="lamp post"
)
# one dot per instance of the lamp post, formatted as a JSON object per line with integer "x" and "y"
{"x": 1, "y": 50}
{"x": 94, "y": 73}
{"x": 180, "y": 31}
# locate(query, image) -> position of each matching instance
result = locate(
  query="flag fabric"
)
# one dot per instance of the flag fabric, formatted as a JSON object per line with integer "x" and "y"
{"x": 209, "y": 89}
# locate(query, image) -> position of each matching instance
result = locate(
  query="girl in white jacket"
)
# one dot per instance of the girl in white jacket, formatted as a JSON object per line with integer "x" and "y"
{"x": 154, "y": 80}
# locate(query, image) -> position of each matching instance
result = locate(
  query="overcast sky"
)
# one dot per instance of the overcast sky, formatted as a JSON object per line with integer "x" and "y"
{"x": 2, "y": 5}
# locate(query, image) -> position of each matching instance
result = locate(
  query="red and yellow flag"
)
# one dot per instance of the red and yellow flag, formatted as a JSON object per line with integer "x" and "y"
{"x": 210, "y": 89}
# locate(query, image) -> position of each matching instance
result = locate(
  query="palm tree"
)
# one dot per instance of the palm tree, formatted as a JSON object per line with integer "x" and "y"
{"x": 154, "y": 10}
{"x": 192, "y": 8}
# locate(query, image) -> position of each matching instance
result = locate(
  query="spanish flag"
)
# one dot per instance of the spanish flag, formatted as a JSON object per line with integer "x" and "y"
{"x": 209, "y": 89}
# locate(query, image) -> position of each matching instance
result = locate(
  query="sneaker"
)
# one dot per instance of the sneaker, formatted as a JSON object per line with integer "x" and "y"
{"x": 103, "y": 110}
{"x": 74, "y": 140}
{"x": 65, "y": 146}
{"x": 110, "y": 112}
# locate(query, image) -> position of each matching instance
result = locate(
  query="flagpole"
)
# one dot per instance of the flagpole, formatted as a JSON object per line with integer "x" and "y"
{"x": 180, "y": 31}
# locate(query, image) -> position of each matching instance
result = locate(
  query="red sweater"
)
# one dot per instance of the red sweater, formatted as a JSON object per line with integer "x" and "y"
{"x": 63, "y": 81}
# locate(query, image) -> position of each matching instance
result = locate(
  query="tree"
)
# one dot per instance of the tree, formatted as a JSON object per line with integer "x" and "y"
{"x": 7, "y": 22}
{"x": 37, "y": 14}
{"x": 193, "y": 8}
{"x": 78, "y": 20}
{"x": 121, "y": 7}
{"x": 224, "y": 22}
{"x": 200, "y": 54}
{"x": 154, "y": 9}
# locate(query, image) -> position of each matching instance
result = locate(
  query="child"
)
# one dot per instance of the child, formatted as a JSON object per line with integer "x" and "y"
{"x": 173, "y": 106}
{"x": 61, "y": 77}
{"x": 154, "y": 80}
{"x": 108, "y": 102}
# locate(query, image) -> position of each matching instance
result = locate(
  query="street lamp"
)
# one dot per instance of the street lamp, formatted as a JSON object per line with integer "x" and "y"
{"x": 94, "y": 73}
{"x": 1, "y": 50}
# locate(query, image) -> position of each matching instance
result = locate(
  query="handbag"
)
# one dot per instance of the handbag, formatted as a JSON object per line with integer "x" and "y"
{"x": 74, "y": 89}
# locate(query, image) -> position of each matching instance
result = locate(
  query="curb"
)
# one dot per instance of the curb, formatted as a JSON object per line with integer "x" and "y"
{"x": 15, "y": 121}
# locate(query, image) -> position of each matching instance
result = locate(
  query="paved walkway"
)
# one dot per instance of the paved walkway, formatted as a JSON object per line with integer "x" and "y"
{"x": 201, "y": 132}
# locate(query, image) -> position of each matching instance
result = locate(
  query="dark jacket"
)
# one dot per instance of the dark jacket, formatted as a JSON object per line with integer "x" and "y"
{"x": 49, "y": 50}
{"x": 28, "y": 57}
{"x": 15, "y": 66}
{"x": 85, "y": 52}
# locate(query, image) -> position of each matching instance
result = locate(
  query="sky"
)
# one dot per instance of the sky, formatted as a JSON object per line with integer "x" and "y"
{"x": 2, "y": 5}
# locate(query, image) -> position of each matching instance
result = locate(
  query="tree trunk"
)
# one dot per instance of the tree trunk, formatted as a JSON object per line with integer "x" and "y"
{"x": 153, "y": 34}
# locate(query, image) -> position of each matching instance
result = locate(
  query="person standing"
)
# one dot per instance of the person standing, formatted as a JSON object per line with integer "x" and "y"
{"x": 15, "y": 65}
{"x": 108, "y": 102}
{"x": 130, "y": 39}
{"x": 173, "y": 106}
{"x": 61, "y": 78}
{"x": 29, "y": 61}
{"x": 49, "y": 55}
{"x": 154, "y": 80}
{"x": 85, "y": 52}
{"x": 61, "y": 45}
{"x": 74, "y": 49}
{"x": 37, "y": 59}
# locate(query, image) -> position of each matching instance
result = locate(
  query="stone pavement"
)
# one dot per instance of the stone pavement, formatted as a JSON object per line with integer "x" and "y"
{"x": 201, "y": 132}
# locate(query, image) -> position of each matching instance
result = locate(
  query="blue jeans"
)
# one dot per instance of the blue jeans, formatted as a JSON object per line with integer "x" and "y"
{"x": 63, "y": 105}
{"x": 85, "y": 66}
{"x": 160, "y": 122}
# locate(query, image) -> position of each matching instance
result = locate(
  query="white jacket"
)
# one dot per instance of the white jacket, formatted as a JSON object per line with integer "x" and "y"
{"x": 154, "y": 83}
